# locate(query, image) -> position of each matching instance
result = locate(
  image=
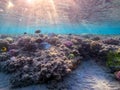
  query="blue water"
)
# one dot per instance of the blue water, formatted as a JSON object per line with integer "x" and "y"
{"x": 62, "y": 29}
{"x": 25, "y": 17}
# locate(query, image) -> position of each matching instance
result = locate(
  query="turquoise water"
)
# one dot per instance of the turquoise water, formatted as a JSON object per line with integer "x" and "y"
{"x": 62, "y": 29}
{"x": 62, "y": 16}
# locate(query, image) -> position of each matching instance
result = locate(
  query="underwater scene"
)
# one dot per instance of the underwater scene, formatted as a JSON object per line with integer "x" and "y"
{"x": 59, "y": 44}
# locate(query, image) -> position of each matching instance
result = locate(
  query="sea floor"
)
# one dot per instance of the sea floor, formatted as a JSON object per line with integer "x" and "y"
{"x": 88, "y": 76}
{"x": 59, "y": 62}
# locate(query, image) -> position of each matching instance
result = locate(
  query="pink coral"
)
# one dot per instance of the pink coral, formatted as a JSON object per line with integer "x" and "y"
{"x": 68, "y": 43}
{"x": 117, "y": 75}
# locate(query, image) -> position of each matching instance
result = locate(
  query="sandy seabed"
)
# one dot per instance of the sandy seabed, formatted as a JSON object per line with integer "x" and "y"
{"x": 92, "y": 77}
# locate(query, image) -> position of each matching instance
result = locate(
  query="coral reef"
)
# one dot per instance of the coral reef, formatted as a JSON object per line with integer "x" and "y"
{"x": 96, "y": 38}
{"x": 4, "y": 56}
{"x": 117, "y": 75}
{"x": 113, "y": 60}
{"x": 27, "y": 43}
{"x": 9, "y": 39}
{"x": 3, "y": 43}
{"x": 34, "y": 59}
{"x": 68, "y": 43}
{"x": 95, "y": 47}
{"x": 112, "y": 41}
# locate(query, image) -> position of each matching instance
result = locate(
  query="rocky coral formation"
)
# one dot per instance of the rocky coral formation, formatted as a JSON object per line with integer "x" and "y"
{"x": 113, "y": 60}
{"x": 112, "y": 41}
{"x": 27, "y": 43}
{"x": 4, "y": 56}
{"x": 40, "y": 58}
{"x": 96, "y": 38}
{"x": 117, "y": 75}
{"x": 3, "y": 43}
{"x": 95, "y": 47}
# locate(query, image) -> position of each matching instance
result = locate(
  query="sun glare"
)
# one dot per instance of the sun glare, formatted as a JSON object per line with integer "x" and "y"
{"x": 10, "y": 4}
{"x": 30, "y": 1}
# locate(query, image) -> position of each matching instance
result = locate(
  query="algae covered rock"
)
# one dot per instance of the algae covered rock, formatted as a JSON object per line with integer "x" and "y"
{"x": 113, "y": 60}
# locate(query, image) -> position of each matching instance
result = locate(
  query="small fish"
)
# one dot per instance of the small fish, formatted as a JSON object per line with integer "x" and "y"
{"x": 3, "y": 49}
{"x": 38, "y": 31}
{"x": 25, "y": 33}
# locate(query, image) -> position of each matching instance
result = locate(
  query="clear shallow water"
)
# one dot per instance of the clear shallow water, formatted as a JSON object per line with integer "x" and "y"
{"x": 19, "y": 16}
{"x": 62, "y": 29}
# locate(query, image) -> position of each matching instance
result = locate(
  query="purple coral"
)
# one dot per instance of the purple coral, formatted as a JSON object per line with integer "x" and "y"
{"x": 68, "y": 43}
{"x": 117, "y": 75}
{"x": 111, "y": 41}
{"x": 13, "y": 46}
{"x": 13, "y": 52}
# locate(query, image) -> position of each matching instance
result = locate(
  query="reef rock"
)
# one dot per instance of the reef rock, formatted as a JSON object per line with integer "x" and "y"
{"x": 112, "y": 41}
{"x": 117, "y": 75}
{"x": 13, "y": 52}
{"x": 9, "y": 39}
{"x": 4, "y": 43}
{"x": 68, "y": 43}
{"x": 40, "y": 58}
